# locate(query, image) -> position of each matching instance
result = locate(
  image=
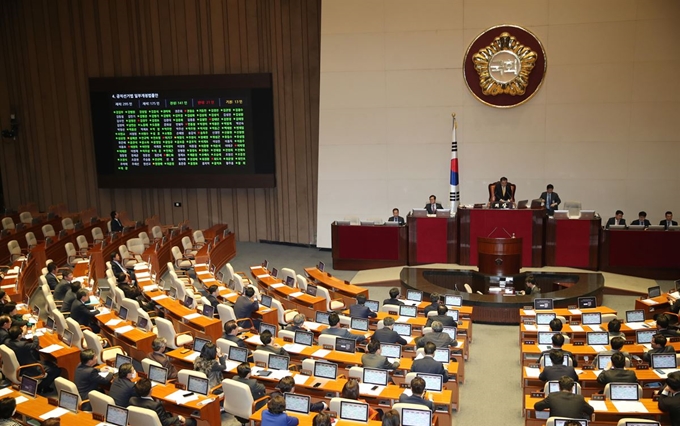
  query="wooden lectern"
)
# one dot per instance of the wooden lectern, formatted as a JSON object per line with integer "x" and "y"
{"x": 499, "y": 256}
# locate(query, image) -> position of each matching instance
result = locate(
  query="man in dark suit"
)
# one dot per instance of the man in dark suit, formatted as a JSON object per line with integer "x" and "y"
{"x": 360, "y": 310}
{"x": 668, "y": 221}
{"x": 373, "y": 358}
{"x": 335, "y": 330}
{"x": 70, "y": 297}
{"x": 64, "y": 286}
{"x": 557, "y": 369}
{"x": 26, "y": 352}
{"x": 87, "y": 378}
{"x": 641, "y": 220}
{"x": 5, "y": 324}
{"x": 245, "y": 306}
{"x": 434, "y": 303}
{"x": 564, "y": 403}
{"x": 257, "y": 389}
{"x": 51, "y": 276}
{"x": 116, "y": 224}
{"x": 231, "y": 334}
{"x": 287, "y": 385}
{"x": 82, "y": 313}
{"x": 386, "y": 334}
{"x": 266, "y": 339}
{"x": 433, "y": 205}
{"x": 428, "y": 364}
{"x": 436, "y": 336}
{"x": 417, "y": 393}
{"x": 395, "y": 217}
{"x": 142, "y": 399}
{"x": 618, "y": 372}
{"x": 616, "y": 220}
{"x": 557, "y": 343}
{"x": 502, "y": 192}
{"x": 393, "y": 300}
{"x": 158, "y": 345}
{"x": 441, "y": 316}
{"x": 530, "y": 286}
{"x": 669, "y": 398}
{"x": 11, "y": 310}
{"x": 663, "y": 322}
{"x": 123, "y": 387}
{"x": 658, "y": 347}
{"x": 212, "y": 296}
{"x": 117, "y": 266}
{"x": 551, "y": 199}
{"x": 298, "y": 323}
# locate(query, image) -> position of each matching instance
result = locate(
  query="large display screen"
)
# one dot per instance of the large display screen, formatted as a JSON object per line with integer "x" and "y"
{"x": 184, "y": 131}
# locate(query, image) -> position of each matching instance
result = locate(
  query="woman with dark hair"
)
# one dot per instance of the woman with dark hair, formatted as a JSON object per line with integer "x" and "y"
{"x": 8, "y": 406}
{"x": 391, "y": 418}
{"x": 211, "y": 362}
{"x": 274, "y": 414}
{"x": 351, "y": 391}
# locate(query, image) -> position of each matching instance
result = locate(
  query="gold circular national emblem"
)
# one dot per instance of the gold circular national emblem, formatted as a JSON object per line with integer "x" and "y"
{"x": 504, "y": 66}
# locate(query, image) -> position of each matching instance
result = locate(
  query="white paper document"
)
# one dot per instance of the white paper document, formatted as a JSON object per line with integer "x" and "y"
{"x": 530, "y": 328}
{"x": 665, "y": 372}
{"x": 630, "y": 407}
{"x": 595, "y": 327}
{"x": 191, "y": 316}
{"x": 51, "y": 348}
{"x": 123, "y": 330}
{"x": 20, "y": 399}
{"x": 599, "y": 348}
{"x": 410, "y": 302}
{"x": 151, "y": 287}
{"x": 142, "y": 275}
{"x": 598, "y": 405}
{"x": 321, "y": 353}
{"x": 231, "y": 365}
{"x": 532, "y": 373}
{"x": 161, "y": 297}
{"x": 543, "y": 327}
{"x": 637, "y": 325}
{"x": 529, "y": 313}
{"x": 300, "y": 379}
{"x": 403, "y": 319}
{"x": 312, "y": 325}
{"x": 294, "y": 348}
{"x": 113, "y": 322}
{"x": 296, "y": 294}
{"x": 254, "y": 340}
{"x": 649, "y": 302}
{"x": 5, "y": 391}
{"x": 576, "y": 328}
{"x": 277, "y": 285}
{"x": 369, "y": 389}
{"x": 57, "y": 412}
{"x": 575, "y": 311}
{"x": 179, "y": 397}
{"x": 192, "y": 357}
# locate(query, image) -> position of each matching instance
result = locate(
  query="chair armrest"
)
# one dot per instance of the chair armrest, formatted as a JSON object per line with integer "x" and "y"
{"x": 181, "y": 333}
{"x": 37, "y": 364}
{"x": 110, "y": 348}
{"x": 264, "y": 398}
{"x": 238, "y": 320}
{"x": 214, "y": 388}
{"x": 82, "y": 403}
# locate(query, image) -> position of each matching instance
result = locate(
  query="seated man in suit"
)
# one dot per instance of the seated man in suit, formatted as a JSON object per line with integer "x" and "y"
{"x": 5, "y": 324}
{"x": 394, "y": 297}
{"x": 116, "y": 224}
{"x": 441, "y": 316}
{"x": 245, "y": 305}
{"x": 87, "y": 378}
{"x": 84, "y": 314}
{"x": 614, "y": 329}
{"x": 557, "y": 343}
{"x": 335, "y": 330}
{"x": 395, "y": 217}
{"x": 70, "y": 297}
{"x": 266, "y": 339}
{"x": 668, "y": 221}
{"x": 26, "y": 352}
{"x": 663, "y": 322}
{"x": 669, "y": 397}
{"x": 257, "y": 389}
{"x": 51, "y": 276}
{"x": 298, "y": 323}
{"x": 557, "y": 369}
{"x": 386, "y": 334}
{"x": 530, "y": 286}
{"x": 617, "y": 373}
{"x": 231, "y": 330}
{"x": 641, "y": 220}
{"x": 123, "y": 387}
{"x": 142, "y": 399}
{"x": 417, "y": 394}
{"x": 11, "y": 310}
{"x": 212, "y": 293}
{"x": 373, "y": 358}
{"x": 428, "y": 364}
{"x": 502, "y": 192}
{"x": 158, "y": 346}
{"x": 436, "y": 336}
{"x": 117, "y": 266}
{"x": 64, "y": 286}
{"x": 434, "y": 303}
{"x": 433, "y": 205}
{"x": 564, "y": 403}
{"x": 287, "y": 385}
{"x": 616, "y": 345}
{"x": 551, "y": 199}
{"x": 360, "y": 310}
{"x": 658, "y": 347}
{"x": 616, "y": 220}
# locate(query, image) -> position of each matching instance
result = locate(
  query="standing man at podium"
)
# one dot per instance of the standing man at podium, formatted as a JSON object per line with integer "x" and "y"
{"x": 395, "y": 217}
{"x": 433, "y": 206}
{"x": 503, "y": 193}
{"x": 551, "y": 199}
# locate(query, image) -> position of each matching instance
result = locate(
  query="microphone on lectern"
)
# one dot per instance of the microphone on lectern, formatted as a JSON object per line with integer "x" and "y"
{"x": 494, "y": 230}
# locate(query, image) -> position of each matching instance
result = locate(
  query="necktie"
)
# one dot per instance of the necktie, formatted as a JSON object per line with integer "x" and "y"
{"x": 548, "y": 200}
{"x": 434, "y": 207}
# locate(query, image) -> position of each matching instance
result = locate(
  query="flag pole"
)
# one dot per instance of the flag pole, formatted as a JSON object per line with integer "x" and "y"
{"x": 454, "y": 193}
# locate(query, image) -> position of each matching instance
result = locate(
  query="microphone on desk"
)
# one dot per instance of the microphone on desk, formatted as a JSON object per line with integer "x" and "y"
{"x": 456, "y": 287}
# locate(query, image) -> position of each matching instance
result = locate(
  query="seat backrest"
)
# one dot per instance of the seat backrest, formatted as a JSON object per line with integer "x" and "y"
{"x": 82, "y": 242}
{"x": 238, "y": 283}
{"x": 77, "y": 333}
{"x": 356, "y": 373}
{"x": 92, "y": 341}
{"x": 146, "y": 362}
{"x": 286, "y": 334}
{"x": 226, "y": 313}
{"x": 301, "y": 282}
{"x": 186, "y": 243}
{"x": 287, "y": 272}
{"x": 145, "y": 238}
{"x": 118, "y": 295}
{"x": 183, "y": 376}
{"x": 608, "y": 394}
{"x": 62, "y": 384}
{"x": 389, "y": 308}
{"x": 546, "y": 387}
{"x": 10, "y": 365}
{"x": 14, "y": 247}
{"x": 224, "y": 345}
{"x": 322, "y": 292}
{"x": 136, "y": 246}
{"x": 177, "y": 253}
{"x": 280, "y": 312}
{"x": 132, "y": 307}
{"x": 240, "y": 399}
{"x": 199, "y": 238}
{"x": 8, "y": 223}
{"x": 622, "y": 422}
{"x": 157, "y": 233}
{"x": 108, "y": 226}
{"x": 261, "y": 356}
{"x": 143, "y": 416}
{"x": 60, "y": 321}
{"x": 399, "y": 407}
{"x": 48, "y": 230}
{"x": 97, "y": 234}
{"x": 67, "y": 223}
{"x": 31, "y": 240}
{"x": 70, "y": 249}
{"x": 327, "y": 339}
{"x": 123, "y": 250}
{"x": 492, "y": 188}
{"x": 100, "y": 401}
{"x": 25, "y": 217}
{"x": 166, "y": 330}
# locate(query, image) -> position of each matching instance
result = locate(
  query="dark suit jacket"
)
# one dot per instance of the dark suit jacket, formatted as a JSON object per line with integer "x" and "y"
{"x": 88, "y": 379}
{"x": 118, "y": 268}
{"x": 291, "y": 327}
{"x": 343, "y": 332}
{"x": 668, "y": 349}
{"x": 430, "y": 366}
{"x": 637, "y": 222}
{"x": 164, "y": 361}
{"x": 428, "y": 207}
{"x": 405, "y": 399}
{"x": 26, "y": 351}
{"x": 665, "y": 225}
{"x": 274, "y": 350}
{"x": 68, "y": 301}
{"x": 361, "y": 311}
{"x": 398, "y": 219}
{"x": 244, "y": 308}
{"x": 446, "y": 320}
{"x": 4, "y": 335}
{"x": 239, "y": 342}
{"x": 554, "y": 198}
{"x": 62, "y": 288}
{"x": 617, "y": 375}
{"x": 571, "y": 355}
{"x": 377, "y": 361}
{"x": 565, "y": 404}
{"x": 392, "y": 302}
{"x": 116, "y": 225}
{"x": 555, "y": 372}
{"x": 213, "y": 301}
{"x": 498, "y": 192}
{"x": 534, "y": 290}
{"x": 166, "y": 418}
{"x": 612, "y": 221}
{"x": 81, "y": 313}
{"x": 385, "y": 335}
{"x": 441, "y": 340}
{"x": 671, "y": 405}
{"x": 52, "y": 281}
{"x": 257, "y": 389}
{"x": 121, "y": 391}
{"x": 431, "y": 307}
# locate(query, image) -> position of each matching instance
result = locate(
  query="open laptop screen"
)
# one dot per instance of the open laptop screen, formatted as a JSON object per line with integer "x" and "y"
{"x": 415, "y": 417}
{"x": 321, "y": 266}
{"x": 390, "y": 350}
{"x": 543, "y": 304}
{"x": 122, "y": 314}
{"x": 373, "y": 305}
{"x": 321, "y": 317}
{"x": 28, "y": 386}
{"x": 304, "y": 338}
{"x": 624, "y": 391}
{"x": 453, "y": 300}
{"x": 68, "y": 401}
{"x": 663, "y": 361}
{"x": 591, "y": 318}
{"x": 598, "y": 338}
{"x": 143, "y": 323}
{"x": 644, "y": 337}
{"x": 603, "y": 361}
{"x": 582, "y": 422}
{"x": 637, "y": 315}
{"x": 408, "y": 311}
{"x": 545, "y": 318}
{"x": 122, "y": 359}
{"x": 158, "y": 374}
{"x": 311, "y": 290}
{"x": 433, "y": 382}
{"x": 355, "y": 411}
{"x": 587, "y": 302}
{"x": 359, "y": 324}
{"x": 545, "y": 337}
{"x": 375, "y": 376}
{"x": 442, "y": 355}
{"x": 451, "y": 331}
{"x": 345, "y": 345}
{"x": 554, "y": 386}
{"x": 208, "y": 311}
{"x": 270, "y": 327}
{"x": 325, "y": 370}
{"x": 117, "y": 416}
{"x": 402, "y": 329}
{"x": 67, "y": 338}
{"x": 278, "y": 362}
{"x": 199, "y": 343}
{"x": 297, "y": 403}
{"x": 266, "y": 301}
{"x": 415, "y": 295}
{"x": 654, "y": 291}
{"x": 198, "y": 385}
{"x": 237, "y": 354}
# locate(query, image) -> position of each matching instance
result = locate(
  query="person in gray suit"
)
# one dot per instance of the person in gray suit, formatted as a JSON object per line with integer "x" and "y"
{"x": 123, "y": 387}
{"x": 387, "y": 335}
{"x": 557, "y": 369}
{"x": 436, "y": 336}
{"x": 373, "y": 358}
{"x": 658, "y": 347}
{"x": 417, "y": 394}
{"x": 143, "y": 399}
{"x": 564, "y": 403}
{"x": 360, "y": 310}
{"x": 51, "y": 276}
{"x": 266, "y": 339}
{"x": 428, "y": 364}
{"x": 257, "y": 389}
{"x": 87, "y": 378}
{"x": 618, "y": 372}
{"x": 441, "y": 316}
{"x": 335, "y": 330}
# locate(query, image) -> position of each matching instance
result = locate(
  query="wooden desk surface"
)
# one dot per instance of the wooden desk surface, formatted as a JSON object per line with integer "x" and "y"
{"x": 328, "y": 281}
{"x": 567, "y": 313}
{"x": 262, "y": 276}
{"x": 651, "y": 406}
{"x": 307, "y": 419}
{"x": 66, "y": 358}
{"x": 583, "y": 329}
{"x": 36, "y": 407}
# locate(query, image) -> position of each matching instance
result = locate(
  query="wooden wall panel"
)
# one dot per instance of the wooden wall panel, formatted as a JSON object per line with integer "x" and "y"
{"x": 51, "y": 48}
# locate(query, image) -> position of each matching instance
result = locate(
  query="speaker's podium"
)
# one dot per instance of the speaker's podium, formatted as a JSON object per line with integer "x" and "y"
{"x": 432, "y": 239}
{"x": 499, "y": 256}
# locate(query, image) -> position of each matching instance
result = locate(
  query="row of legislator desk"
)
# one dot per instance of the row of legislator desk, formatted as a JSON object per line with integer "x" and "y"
{"x": 546, "y": 241}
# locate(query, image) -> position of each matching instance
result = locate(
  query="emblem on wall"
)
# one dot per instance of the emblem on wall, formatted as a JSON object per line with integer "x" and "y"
{"x": 504, "y": 66}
